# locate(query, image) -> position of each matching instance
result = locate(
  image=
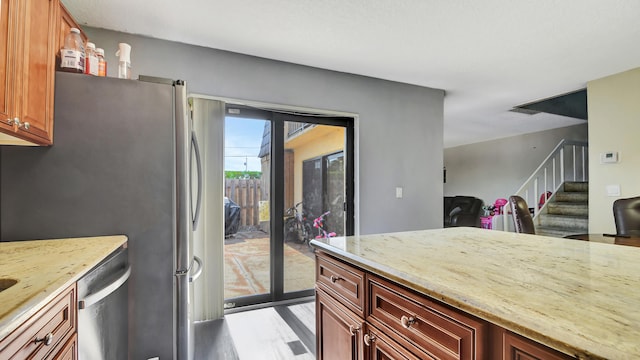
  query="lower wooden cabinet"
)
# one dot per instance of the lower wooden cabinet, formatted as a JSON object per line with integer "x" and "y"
{"x": 69, "y": 351}
{"x": 381, "y": 347}
{"x": 339, "y": 331}
{"x": 518, "y": 348}
{"x": 48, "y": 334}
{"x": 363, "y": 316}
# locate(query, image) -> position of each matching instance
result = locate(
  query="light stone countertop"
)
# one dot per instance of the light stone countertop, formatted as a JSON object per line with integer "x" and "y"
{"x": 581, "y": 298}
{"x": 44, "y": 268}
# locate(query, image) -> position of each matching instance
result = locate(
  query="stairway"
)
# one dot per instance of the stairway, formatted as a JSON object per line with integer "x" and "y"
{"x": 567, "y": 211}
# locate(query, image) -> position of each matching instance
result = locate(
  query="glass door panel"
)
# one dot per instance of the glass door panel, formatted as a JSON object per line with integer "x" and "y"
{"x": 313, "y": 190}
{"x": 247, "y": 244}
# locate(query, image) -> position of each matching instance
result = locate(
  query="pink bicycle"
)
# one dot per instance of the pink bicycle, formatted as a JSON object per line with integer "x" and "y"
{"x": 318, "y": 223}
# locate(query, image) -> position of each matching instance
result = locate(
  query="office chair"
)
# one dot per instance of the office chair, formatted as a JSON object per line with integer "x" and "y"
{"x": 521, "y": 215}
{"x": 626, "y": 213}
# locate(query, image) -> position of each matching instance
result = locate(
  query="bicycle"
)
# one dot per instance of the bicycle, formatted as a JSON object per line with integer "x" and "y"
{"x": 296, "y": 226}
{"x": 318, "y": 223}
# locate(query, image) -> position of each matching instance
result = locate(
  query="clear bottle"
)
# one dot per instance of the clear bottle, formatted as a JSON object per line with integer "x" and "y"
{"x": 91, "y": 60}
{"x": 102, "y": 63}
{"x": 72, "y": 54}
{"x": 124, "y": 61}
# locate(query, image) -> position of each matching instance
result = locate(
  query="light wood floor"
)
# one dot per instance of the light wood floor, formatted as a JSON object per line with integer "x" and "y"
{"x": 279, "y": 333}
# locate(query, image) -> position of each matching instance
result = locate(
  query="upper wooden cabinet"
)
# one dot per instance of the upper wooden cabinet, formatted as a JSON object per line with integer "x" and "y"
{"x": 32, "y": 32}
{"x": 7, "y": 67}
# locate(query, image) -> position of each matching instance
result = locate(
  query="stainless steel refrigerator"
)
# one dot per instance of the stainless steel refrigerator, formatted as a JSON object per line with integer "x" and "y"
{"x": 121, "y": 163}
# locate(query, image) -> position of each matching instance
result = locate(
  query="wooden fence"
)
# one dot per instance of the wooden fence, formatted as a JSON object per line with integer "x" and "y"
{"x": 247, "y": 193}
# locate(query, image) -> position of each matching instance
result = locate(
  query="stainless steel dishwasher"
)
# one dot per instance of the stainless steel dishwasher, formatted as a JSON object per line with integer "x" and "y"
{"x": 103, "y": 310}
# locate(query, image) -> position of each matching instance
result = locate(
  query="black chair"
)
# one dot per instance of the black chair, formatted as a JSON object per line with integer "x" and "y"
{"x": 462, "y": 211}
{"x": 521, "y": 215}
{"x": 626, "y": 213}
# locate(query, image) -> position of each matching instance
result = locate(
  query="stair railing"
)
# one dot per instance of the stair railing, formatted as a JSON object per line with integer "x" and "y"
{"x": 568, "y": 161}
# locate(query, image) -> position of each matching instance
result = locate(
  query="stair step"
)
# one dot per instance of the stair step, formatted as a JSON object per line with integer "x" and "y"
{"x": 572, "y": 197}
{"x": 576, "y": 186}
{"x": 557, "y": 232}
{"x": 570, "y": 223}
{"x": 568, "y": 208}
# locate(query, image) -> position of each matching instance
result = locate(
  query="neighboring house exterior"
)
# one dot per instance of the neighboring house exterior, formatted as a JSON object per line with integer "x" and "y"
{"x": 314, "y": 169}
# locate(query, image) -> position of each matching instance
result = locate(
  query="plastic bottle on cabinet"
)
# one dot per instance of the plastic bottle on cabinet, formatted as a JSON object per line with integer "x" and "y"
{"x": 124, "y": 61}
{"x": 91, "y": 60}
{"x": 72, "y": 54}
{"x": 102, "y": 63}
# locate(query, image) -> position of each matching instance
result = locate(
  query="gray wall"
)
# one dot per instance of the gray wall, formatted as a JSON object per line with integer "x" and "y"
{"x": 496, "y": 169}
{"x": 401, "y": 126}
{"x": 399, "y": 136}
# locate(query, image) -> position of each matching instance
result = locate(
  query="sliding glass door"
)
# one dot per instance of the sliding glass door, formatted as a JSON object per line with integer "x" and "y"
{"x": 303, "y": 189}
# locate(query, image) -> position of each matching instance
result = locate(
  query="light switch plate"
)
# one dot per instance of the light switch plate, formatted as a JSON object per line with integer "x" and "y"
{"x": 613, "y": 190}
{"x": 399, "y": 193}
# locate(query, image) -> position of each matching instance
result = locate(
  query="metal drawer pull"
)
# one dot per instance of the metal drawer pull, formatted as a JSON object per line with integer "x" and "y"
{"x": 354, "y": 329}
{"x": 407, "y": 321}
{"x": 46, "y": 340}
{"x": 368, "y": 339}
{"x": 25, "y": 125}
{"x": 335, "y": 278}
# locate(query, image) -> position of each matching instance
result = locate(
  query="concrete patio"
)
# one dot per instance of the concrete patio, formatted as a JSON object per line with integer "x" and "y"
{"x": 247, "y": 265}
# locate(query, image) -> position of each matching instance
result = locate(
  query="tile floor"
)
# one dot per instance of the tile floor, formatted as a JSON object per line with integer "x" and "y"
{"x": 274, "y": 333}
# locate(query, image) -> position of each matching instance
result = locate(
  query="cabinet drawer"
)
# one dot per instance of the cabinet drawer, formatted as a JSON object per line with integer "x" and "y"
{"x": 422, "y": 325}
{"x": 56, "y": 321}
{"x": 344, "y": 282}
{"x": 381, "y": 347}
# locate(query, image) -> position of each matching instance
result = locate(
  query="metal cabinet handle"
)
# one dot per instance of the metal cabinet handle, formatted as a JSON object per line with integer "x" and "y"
{"x": 407, "y": 321}
{"x": 198, "y": 272}
{"x": 353, "y": 329}
{"x": 46, "y": 340}
{"x": 196, "y": 151}
{"x": 25, "y": 125}
{"x": 15, "y": 121}
{"x": 334, "y": 278}
{"x": 368, "y": 339}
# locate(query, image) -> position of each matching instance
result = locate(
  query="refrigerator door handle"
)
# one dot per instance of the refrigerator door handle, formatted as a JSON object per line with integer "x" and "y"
{"x": 196, "y": 151}
{"x": 198, "y": 272}
{"x": 105, "y": 291}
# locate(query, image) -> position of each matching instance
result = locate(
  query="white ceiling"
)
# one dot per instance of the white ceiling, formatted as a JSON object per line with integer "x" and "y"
{"x": 489, "y": 55}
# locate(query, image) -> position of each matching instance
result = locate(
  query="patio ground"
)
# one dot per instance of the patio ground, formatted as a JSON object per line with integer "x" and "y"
{"x": 247, "y": 265}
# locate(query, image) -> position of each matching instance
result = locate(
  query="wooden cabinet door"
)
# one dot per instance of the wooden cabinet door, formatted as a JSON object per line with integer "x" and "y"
{"x": 66, "y": 23}
{"x": 338, "y": 330}
{"x": 7, "y": 41}
{"x": 37, "y": 69}
{"x": 518, "y": 348}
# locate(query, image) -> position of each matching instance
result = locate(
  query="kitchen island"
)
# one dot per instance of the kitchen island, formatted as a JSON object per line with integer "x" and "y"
{"x": 577, "y": 297}
{"x": 39, "y": 271}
